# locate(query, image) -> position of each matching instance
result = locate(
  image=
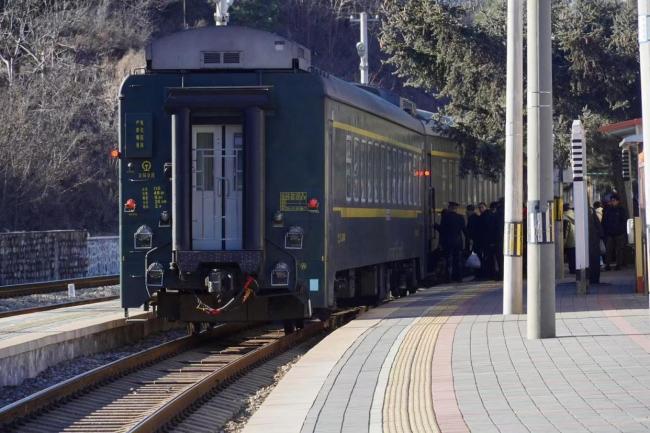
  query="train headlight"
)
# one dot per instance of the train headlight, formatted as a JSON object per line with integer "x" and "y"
{"x": 143, "y": 238}
{"x": 280, "y": 274}
{"x": 155, "y": 274}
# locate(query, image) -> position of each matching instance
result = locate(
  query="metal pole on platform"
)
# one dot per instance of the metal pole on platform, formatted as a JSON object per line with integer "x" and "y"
{"x": 541, "y": 251}
{"x": 644, "y": 48}
{"x": 513, "y": 224}
{"x": 580, "y": 205}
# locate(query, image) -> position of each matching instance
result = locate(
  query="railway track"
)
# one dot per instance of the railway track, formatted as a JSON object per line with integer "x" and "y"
{"x": 48, "y": 307}
{"x": 144, "y": 392}
{"x": 55, "y": 286}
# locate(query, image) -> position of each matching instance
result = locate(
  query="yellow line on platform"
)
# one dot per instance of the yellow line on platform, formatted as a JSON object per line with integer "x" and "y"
{"x": 408, "y": 402}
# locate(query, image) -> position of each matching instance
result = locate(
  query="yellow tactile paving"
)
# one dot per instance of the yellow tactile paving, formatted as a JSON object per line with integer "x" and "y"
{"x": 408, "y": 404}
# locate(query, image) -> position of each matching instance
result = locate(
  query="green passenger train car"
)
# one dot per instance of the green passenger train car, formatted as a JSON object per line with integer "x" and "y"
{"x": 255, "y": 187}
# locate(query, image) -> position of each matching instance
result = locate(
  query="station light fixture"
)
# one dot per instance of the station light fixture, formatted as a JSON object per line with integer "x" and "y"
{"x": 115, "y": 154}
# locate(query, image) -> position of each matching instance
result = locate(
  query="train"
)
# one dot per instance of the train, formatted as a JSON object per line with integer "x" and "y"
{"x": 256, "y": 187}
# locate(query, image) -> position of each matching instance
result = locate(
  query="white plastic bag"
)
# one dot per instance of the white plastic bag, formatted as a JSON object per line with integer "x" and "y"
{"x": 473, "y": 262}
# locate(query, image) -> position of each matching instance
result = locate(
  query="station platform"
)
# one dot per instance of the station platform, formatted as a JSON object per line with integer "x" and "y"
{"x": 446, "y": 360}
{"x": 30, "y": 343}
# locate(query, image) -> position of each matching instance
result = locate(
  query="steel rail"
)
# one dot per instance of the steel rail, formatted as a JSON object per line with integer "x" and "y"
{"x": 57, "y": 285}
{"x": 184, "y": 400}
{"x": 78, "y": 384}
{"x": 18, "y": 312}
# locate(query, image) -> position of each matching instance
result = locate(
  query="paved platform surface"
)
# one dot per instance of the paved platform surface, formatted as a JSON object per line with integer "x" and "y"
{"x": 446, "y": 360}
{"x": 30, "y": 343}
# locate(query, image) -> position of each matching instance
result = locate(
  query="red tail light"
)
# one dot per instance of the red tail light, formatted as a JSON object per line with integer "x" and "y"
{"x": 130, "y": 205}
{"x": 313, "y": 204}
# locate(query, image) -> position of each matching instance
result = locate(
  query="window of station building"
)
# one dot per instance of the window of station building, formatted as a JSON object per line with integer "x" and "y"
{"x": 355, "y": 164}
{"x": 348, "y": 168}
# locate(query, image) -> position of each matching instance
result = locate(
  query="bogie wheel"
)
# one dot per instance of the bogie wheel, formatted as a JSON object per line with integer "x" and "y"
{"x": 289, "y": 327}
{"x": 193, "y": 328}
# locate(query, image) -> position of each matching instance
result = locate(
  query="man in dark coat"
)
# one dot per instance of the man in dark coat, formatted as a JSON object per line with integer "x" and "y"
{"x": 482, "y": 241}
{"x": 472, "y": 229}
{"x": 614, "y": 226}
{"x": 452, "y": 229}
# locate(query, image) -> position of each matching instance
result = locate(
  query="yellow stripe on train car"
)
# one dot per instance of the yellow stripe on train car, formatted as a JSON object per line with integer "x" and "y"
{"x": 369, "y": 134}
{"x": 369, "y": 212}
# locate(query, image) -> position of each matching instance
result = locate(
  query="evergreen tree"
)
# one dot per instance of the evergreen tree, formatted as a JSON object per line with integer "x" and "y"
{"x": 459, "y": 54}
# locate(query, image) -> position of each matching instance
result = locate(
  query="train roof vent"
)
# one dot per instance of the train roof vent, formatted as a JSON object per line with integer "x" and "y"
{"x": 211, "y": 58}
{"x": 231, "y": 58}
{"x": 408, "y": 106}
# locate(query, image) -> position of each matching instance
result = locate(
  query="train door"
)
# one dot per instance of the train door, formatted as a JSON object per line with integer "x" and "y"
{"x": 217, "y": 187}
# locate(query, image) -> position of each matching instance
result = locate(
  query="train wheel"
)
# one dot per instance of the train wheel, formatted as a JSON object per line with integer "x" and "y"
{"x": 289, "y": 327}
{"x": 193, "y": 328}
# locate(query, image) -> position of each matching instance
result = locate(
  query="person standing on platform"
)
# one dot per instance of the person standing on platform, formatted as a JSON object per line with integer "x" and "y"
{"x": 569, "y": 232}
{"x": 482, "y": 239}
{"x": 598, "y": 210}
{"x": 614, "y": 226}
{"x": 499, "y": 224}
{"x": 472, "y": 229}
{"x": 452, "y": 229}
{"x": 595, "y": 232}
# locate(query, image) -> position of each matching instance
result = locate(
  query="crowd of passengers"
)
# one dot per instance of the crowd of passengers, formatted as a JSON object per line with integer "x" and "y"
{"x": 479, "y": 233}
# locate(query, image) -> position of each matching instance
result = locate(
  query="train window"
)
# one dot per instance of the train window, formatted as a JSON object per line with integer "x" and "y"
{"x": 393, "y": 176}
{"x": 443, "y": 181}
{"x": 364, "y": 169}
{"x": 355, "y": 167}
{"x": 348, "y": 168}
{"x": 371, "y": 171}
{"x": 376, "y": 150}
{"x": 409, "y": 173}
{"x": 239, "y": 161}
{"x": 389, "y": 175}
{"x": 382, "y": 174}
{"x": 400, "y": 177}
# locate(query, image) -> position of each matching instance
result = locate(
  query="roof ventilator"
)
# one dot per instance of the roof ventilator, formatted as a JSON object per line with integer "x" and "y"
{"x": 231, "y": 58}
{"x": 211, "y": 58}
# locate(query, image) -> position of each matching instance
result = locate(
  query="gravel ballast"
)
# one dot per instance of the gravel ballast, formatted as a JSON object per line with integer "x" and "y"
{"x": 68, "y": 369}
{"x": 42, "y": 299}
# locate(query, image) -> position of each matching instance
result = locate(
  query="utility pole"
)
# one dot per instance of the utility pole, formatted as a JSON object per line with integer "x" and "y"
{"x": 644, "y": 48}
{"x": 541, "y": 251}
{"x": 580, "y": 205}
{"x": 513, "y": 224}
{"x": 362, "y": 45}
